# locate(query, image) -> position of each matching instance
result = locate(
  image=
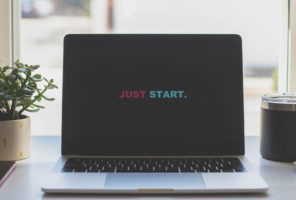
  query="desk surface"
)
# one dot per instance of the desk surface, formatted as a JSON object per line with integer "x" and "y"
{"x": 24, "y": 182}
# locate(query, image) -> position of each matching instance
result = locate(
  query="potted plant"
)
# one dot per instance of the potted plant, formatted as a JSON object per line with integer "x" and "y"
{"x": 19, "y": 92}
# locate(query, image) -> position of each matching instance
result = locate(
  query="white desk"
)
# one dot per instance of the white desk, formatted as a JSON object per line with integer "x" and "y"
{"x": 24, "y": 182}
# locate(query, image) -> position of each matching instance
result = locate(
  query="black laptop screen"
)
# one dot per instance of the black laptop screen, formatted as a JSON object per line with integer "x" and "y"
{"x": 152, "y": 95}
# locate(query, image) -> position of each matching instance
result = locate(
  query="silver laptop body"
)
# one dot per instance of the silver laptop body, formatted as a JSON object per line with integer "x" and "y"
{"x": 159, "y": 97}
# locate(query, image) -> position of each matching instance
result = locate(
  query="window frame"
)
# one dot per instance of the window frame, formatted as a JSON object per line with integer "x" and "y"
{"x": 287, "y": 62}
{"x": 5, "y": 32}
{"x": 16, "y": 15}
{"x": 10, "y": 15}
{"x": 291, "y": 46}
{"x": 10, "y": 37}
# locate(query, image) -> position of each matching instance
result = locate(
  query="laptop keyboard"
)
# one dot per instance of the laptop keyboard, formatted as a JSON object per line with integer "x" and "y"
{"x": 153, "y": 165}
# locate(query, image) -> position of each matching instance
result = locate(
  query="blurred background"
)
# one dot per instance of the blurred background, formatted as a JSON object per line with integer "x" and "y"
{"x": 44, "y": 24}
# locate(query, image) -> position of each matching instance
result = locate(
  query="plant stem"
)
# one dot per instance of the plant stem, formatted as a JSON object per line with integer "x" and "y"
{"x": 25, "y": 81}
{"x": 7, "y": 107}
{"x": 13, "y": 105}
{"x": 22, "y": 87}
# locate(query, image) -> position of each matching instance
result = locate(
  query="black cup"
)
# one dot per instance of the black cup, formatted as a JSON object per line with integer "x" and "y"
{"x": 278, "y": 127}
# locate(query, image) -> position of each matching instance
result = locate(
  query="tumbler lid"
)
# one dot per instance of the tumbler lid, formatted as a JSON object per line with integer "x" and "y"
{"x": 279, "y": 101}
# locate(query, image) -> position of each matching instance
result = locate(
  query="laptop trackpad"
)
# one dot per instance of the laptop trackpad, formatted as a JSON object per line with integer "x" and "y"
{"x": 154, "y": 181}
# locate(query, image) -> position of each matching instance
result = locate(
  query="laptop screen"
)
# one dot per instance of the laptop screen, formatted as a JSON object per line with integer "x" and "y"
{"x": 152, "y": 95}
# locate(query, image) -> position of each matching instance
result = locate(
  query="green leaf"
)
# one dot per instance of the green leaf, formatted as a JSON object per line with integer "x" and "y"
{"x": 35, "y": 79}
{"x": 30, "y": 110}
{"x": 38, "y": 90}
{"x": 5, "y": 68}
{"x": 7, "y": 97}
{"x": 20, "y": 77}
{"x": 26, "y": 101}
{"x": 21, "y": 69}
{"x": 33, "y": 84}
{"x": 48, "y": 99}
{"x": 52, "y": 86}
{"x": 34, "y": 67}
{"x": 38, "y": 106}
{"x": 2, "y": 82}
{"x": 20, "y": 65}
{"x": 14, "y": 71}
{"x": 46, "y": 79}
{"x": 28, "y": 91}
{"x": 37, "y": 76}
{"x": 10, "y": 77}
{"x": 30, "y": 87}
{"x": 38, "y": 98}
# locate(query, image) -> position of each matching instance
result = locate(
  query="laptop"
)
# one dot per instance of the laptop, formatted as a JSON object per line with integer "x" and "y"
{"x": 153, "y": 113}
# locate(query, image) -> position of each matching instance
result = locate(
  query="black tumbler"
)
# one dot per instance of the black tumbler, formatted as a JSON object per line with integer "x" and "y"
{"x": 278, "y": 127}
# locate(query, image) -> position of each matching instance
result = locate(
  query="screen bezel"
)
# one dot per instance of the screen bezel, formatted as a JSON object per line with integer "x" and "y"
{"x": 200, "y": 149}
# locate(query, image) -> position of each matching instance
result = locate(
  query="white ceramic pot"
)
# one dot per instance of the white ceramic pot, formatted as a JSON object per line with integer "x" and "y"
{"x": 15, "y": 139}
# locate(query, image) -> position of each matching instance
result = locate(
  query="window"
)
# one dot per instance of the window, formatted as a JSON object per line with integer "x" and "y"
{"x": 45, "y": 22}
